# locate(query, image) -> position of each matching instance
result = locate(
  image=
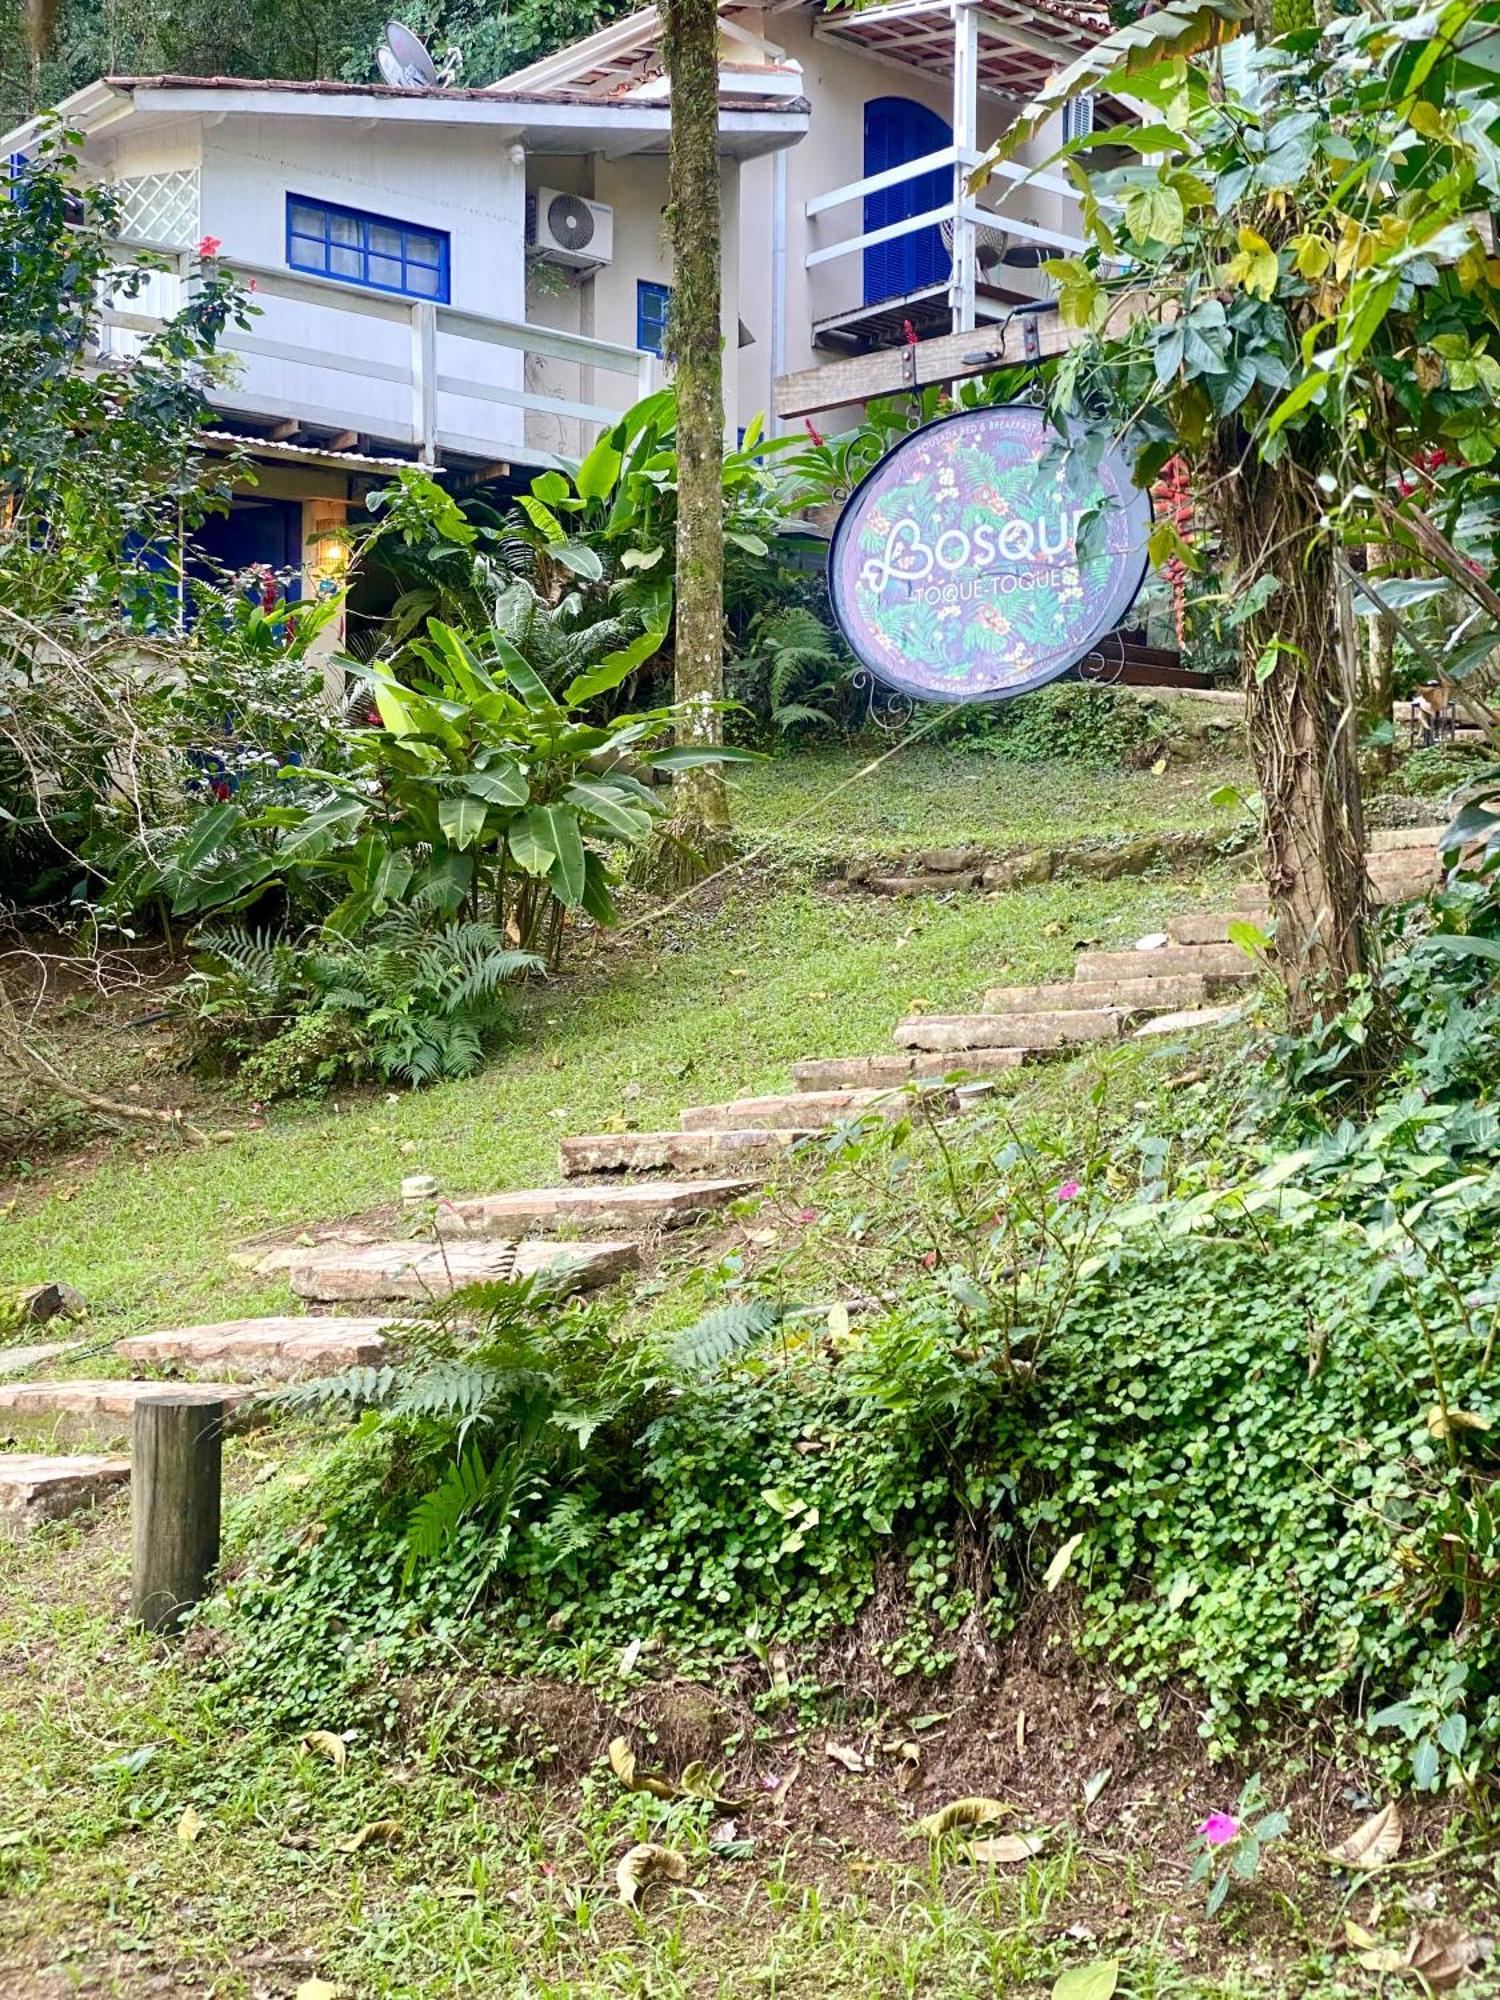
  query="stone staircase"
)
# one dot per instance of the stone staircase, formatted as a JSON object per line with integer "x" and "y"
{"x": 587, "y": 1232}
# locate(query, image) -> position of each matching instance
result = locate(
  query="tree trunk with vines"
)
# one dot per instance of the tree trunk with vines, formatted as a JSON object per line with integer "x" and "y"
{"x": 1301, "y": 711}
{"x": 692, "y": 57}
{"x": 1377, "y": 692}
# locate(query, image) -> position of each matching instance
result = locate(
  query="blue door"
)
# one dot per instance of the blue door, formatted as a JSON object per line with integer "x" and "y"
{"x": 898, "y": 130}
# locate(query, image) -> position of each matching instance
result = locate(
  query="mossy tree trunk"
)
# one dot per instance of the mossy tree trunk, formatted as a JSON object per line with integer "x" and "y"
{"x": 1301, "y": 711}
{"x": 692, "y": 56}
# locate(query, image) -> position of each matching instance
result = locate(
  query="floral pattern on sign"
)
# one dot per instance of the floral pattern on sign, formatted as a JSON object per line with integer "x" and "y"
{"x": 955, "y": 572}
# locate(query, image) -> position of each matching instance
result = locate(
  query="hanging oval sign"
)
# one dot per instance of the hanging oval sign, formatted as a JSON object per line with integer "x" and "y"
{"x": 954, "y": 569}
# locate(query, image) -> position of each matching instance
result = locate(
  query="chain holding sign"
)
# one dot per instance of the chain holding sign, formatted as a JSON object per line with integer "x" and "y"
{"x": 954, "y": 570}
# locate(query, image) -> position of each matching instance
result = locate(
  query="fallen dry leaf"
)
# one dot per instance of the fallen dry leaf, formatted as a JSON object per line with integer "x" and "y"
{"x": 1373, "y": 1843}
{"x": 644, "y": 1865}
{"x": 1440, "y": 1955}
{"x": 325, "y": 1744}
{"x": 1443, "y": 1423}
{"x": 779, "y": 1791}
{"x": 1005, "y": 1848}
{"x": 959, "y": 1813}
{"x": 842, "y": 1754}
{"x": 190, "y": 1825}
{"x": 318, "y": 1989}
{"x": 697, "y": 1782}
{"x": 622, "y": 1763}
{"x": 377, "y": 1830}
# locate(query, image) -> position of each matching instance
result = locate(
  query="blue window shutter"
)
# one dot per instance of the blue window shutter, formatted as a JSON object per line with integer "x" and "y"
{"x": 898, "y": 129}
{"x": 653, "y": 304}
{"x": 376, "y": 252}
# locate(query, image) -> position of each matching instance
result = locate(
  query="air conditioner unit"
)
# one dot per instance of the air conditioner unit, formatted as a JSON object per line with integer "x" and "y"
{"x": 566, "y": 229}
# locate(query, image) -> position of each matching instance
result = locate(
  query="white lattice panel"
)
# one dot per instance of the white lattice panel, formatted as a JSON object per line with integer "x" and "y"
{"x": 161, "y": 208}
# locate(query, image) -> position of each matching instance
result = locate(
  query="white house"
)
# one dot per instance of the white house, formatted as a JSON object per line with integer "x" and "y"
{"x": 479, "y": 278}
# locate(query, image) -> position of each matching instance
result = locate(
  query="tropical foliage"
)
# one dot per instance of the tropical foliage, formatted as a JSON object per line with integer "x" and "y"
{"x": 1293, "y": 291}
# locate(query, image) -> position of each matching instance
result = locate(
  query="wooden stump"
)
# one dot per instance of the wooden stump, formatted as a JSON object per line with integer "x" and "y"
{"x": 176, "y": 1467}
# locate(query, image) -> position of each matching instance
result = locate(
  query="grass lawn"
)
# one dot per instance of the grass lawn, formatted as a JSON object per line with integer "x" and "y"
{"x": 935, "y": 797}
{"x": 154, "y": 1839}
{"x": 705, "y": 1005}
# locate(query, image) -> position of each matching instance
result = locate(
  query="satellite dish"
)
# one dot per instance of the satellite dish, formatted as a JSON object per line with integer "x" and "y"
{"x": 404, "y": 61}
{"x": 570, "y": 222}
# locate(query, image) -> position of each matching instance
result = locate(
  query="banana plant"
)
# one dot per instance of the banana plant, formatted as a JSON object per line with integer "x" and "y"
{"x": 480, "y": 792}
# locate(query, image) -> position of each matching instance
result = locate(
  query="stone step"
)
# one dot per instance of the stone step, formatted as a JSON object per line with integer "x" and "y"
{"x": 1396, "y": 839}
{"x": 680, "y": 1152}
{"x": 98, "y": 1408}
{"x": 807, "y": 1108}
{"x": 588, "y": 1211}
{"x": 1183, "y": 1023}
{"x": 890, "y": 1072}
{"x": 422, "y": 1271}
{"x": 277, "y": 1349}
{"x": 39, "y": 1486}
{"x": 1201, "y": 929}
{"x": 1225, "y": 961}
{"x": 929, "y": 882}
{"x": 1136, "y": 996}
{"x": 950, "y": 1033}
{"x": 21, "y": 1360}
{"x": 1394, "y": 878}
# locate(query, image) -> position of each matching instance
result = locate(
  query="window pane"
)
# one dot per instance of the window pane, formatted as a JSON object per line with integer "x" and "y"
{"x": 421, "y": 249}
{"x": 345, "y": 229}
{"x": 304, "y": 220}
{"x": 311, "y": 252}
{"x": 346, "y": 263}
{"x": 386, "y": 271}
{"x": 422, "y": 283}
{"x": 385, "y": 238}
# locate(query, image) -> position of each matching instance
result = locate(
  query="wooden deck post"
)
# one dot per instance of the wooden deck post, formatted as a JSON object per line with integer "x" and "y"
{"x": 175, "y": 1474}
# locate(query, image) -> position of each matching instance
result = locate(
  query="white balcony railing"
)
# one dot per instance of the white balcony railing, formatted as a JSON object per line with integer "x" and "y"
{"x": 960, "y": 214}
{"x": 405, "y": 371}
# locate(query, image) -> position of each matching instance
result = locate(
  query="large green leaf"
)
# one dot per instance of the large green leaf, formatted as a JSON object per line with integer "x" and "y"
{"x": 523, "y": 676}
{"x": 568, "y": 874}
{"x": 603, "y": 802}
{"x": 208, "y": 831}
{"x": 462, "y": 819}
{"x": 529, "y": 838}
{"x": 330, "y": 826}
{"x": 687, "y": 758}
{"x": 611, "y": 670}
{"x": 599, "y": 471}
{"x": 502, "y": 782}
{"x": 579, "y": 558}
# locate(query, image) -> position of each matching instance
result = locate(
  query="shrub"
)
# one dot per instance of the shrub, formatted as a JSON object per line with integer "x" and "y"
{"x": 403, "y": 1004}
{"x": 1069, "y": 722}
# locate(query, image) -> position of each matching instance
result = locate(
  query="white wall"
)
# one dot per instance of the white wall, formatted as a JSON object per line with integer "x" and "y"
{"x": 838, "y": 81}
{"x": 603, "y": 305}
{"x": 461, "y": 181}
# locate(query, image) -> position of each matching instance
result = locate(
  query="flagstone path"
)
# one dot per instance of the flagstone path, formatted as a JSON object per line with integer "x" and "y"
{"x": 587, "y": 1233}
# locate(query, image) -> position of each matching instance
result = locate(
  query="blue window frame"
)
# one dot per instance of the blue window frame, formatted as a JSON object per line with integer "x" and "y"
{"x": 653, "y": 305}
{"x": 375, "y": 251}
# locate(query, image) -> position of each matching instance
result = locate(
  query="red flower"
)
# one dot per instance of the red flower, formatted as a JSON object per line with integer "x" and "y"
{"x": 209, "y": 246}
{"x": 909, "y": 332}
{"x": 812, "y": 430}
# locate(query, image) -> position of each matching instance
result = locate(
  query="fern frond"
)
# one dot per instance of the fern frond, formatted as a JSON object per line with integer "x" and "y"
{"x": 356, "y": 1389}
{"x": 438, "y": 1515}
{"x": 710, "y": 1341}
{"x": 456, "y": 1389}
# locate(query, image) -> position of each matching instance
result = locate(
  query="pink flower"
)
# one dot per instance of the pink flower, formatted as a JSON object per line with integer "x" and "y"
{"x": 1068, "y": 1189}
{"x": 812, "y": 430}
{"x": 209, "y": 246}
{"x": 1219, "y": 1829}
